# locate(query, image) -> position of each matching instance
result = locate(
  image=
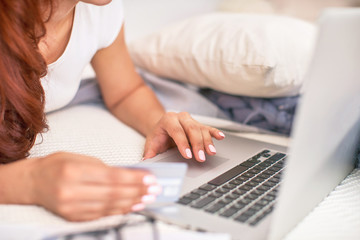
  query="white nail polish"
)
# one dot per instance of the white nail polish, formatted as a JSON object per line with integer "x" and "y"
{"x": 154, "y": 190}
{"x": 222, "y": 134}
{"x": 212, "y": 148}
{"x": 188, "y": 153}
{"x": 202, "y": 155}
{"x": 148, "y": 199}
{"x": 138, "y": 207}
{"x": 149, "y": 180}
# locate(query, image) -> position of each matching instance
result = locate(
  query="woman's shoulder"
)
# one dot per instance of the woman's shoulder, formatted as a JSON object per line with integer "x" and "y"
{"x": 112, "y": 9}
{"x": 103, "y": 21}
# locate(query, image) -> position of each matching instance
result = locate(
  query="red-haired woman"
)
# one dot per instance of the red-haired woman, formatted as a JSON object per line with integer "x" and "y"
{"x": 44, "y": 46}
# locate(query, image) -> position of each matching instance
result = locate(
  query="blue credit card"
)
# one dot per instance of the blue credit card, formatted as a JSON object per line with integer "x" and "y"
{"x": 169, "y": 176}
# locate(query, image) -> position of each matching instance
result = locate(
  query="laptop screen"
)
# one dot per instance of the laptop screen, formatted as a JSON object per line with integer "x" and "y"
{"x": 326, "y": 131}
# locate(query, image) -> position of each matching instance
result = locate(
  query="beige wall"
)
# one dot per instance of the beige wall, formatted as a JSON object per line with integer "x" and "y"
{"x": 308, "y": 9}
{"x": 305, "y": 9}
{"x": 144, "y": 16}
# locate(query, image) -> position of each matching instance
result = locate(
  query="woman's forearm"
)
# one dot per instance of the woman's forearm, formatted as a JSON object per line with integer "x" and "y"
{"x": 76, "y": 187}
{"x": 124, "y": 91}
{"x": 140, "y": 110}
{"x": 15, "y": 182}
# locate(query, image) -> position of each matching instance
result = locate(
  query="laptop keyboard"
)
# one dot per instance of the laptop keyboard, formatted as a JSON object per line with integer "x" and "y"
{"x": 245, "y": 193}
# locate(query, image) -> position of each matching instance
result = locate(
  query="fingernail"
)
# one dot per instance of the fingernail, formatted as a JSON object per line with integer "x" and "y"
{"x": 222, "y": 134}
{"x": 202, "y": 155}
{"x": 188, "y": 153}
{"x": 148, "y": 199}
{"x": 212, "y": 148}
{"x": 154, "y": 190}
{"x": 138, "y": 207}
{"x": 149, "y": 180}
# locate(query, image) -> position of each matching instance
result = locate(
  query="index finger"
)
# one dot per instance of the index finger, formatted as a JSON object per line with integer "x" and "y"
{"x": 119, "y": 175}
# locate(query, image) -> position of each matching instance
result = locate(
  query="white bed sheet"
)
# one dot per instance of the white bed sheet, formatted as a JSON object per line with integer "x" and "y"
{"x": 90, "y": 129}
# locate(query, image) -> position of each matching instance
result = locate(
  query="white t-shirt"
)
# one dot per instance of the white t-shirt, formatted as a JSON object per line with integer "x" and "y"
{"x": 94, "y": 28}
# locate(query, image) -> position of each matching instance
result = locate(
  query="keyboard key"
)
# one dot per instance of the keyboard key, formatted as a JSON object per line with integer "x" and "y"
{"x": 242, "y": 178}
{"x": 245, "y": 201}
{"x": 214, "y": 208}
{"x": 245, "y": 188}
{"x": 263, "y": 188}
{"x": 228, "y": 175}
{"x": 269, "y": 184}
{"x": 216, "y": 194}
{"x": 272, "y": 193}
{"x": 256, "y": 208}
{"x": 269, "y": 172}
{"x": 222, "y": 190}
{"x": 259, "y": 206}
{"x": 264, "y": 164}
{"x": 280, "y": 164}
{"x": 249, "y": 175}
{"x": 229, "y": 212}
{"x": 259, "y": 168}
{"x": 203, "y": 202}
{"x": 238, "y": 205}
{"x": 262, "y": 202}
{"x": 249, "y": 163}
{"x": 277, "y": 176}
{"x": 250, "y": 212}
{"x": 232, "y": 196}
{"x": 226, "y": 201}
{"x": 192, "y": 196}
{"x": 199, "y": 191}
{"x": 256, "y": 157}
{"x": 230, "y": 186}
{"x": 269, "y": 197}
{"x": 264, "y": 176}
{"x": 185, "y": 201}
{"x": 265, "y": 151}
{"x": 261, "y": 216}
{"x": 275, "y": 168}
{"x": 242, "y": 218}
{"x": 256, "y": 221}
{"x": 239, "y": 192}
{"x": 277, "y": 156}
{"x": 257, "y": 192}
{"x": 274, "y": 180}
{"x": 207, "y": 187}
{"x": 258, "y": 179}
{"x": 254, "y": 171}
{"x": 251, "y": 196}
{"x": 251, "y": 183}
{"x": 236, "y": 182}
{"x": 268, "y": 210}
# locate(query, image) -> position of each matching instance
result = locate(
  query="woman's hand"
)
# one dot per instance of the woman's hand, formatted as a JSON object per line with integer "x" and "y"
{"x": 81, "y": 188}
{"x": 180, "y": 129}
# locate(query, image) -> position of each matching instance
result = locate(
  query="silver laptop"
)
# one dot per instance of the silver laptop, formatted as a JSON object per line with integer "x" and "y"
{"x": 252, "y": 189}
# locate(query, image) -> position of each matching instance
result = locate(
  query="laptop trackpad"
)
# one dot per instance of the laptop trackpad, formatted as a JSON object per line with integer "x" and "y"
{"x": 195, "y": 168}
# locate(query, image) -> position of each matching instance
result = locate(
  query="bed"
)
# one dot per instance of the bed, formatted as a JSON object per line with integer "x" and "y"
{"x": 88, "y": 128}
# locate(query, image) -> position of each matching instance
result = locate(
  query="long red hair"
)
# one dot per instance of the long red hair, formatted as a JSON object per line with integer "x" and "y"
{"x": 22, "y": 97}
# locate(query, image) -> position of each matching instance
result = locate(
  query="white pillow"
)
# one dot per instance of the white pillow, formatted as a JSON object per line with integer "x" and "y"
{"x": 241, "y": 54}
